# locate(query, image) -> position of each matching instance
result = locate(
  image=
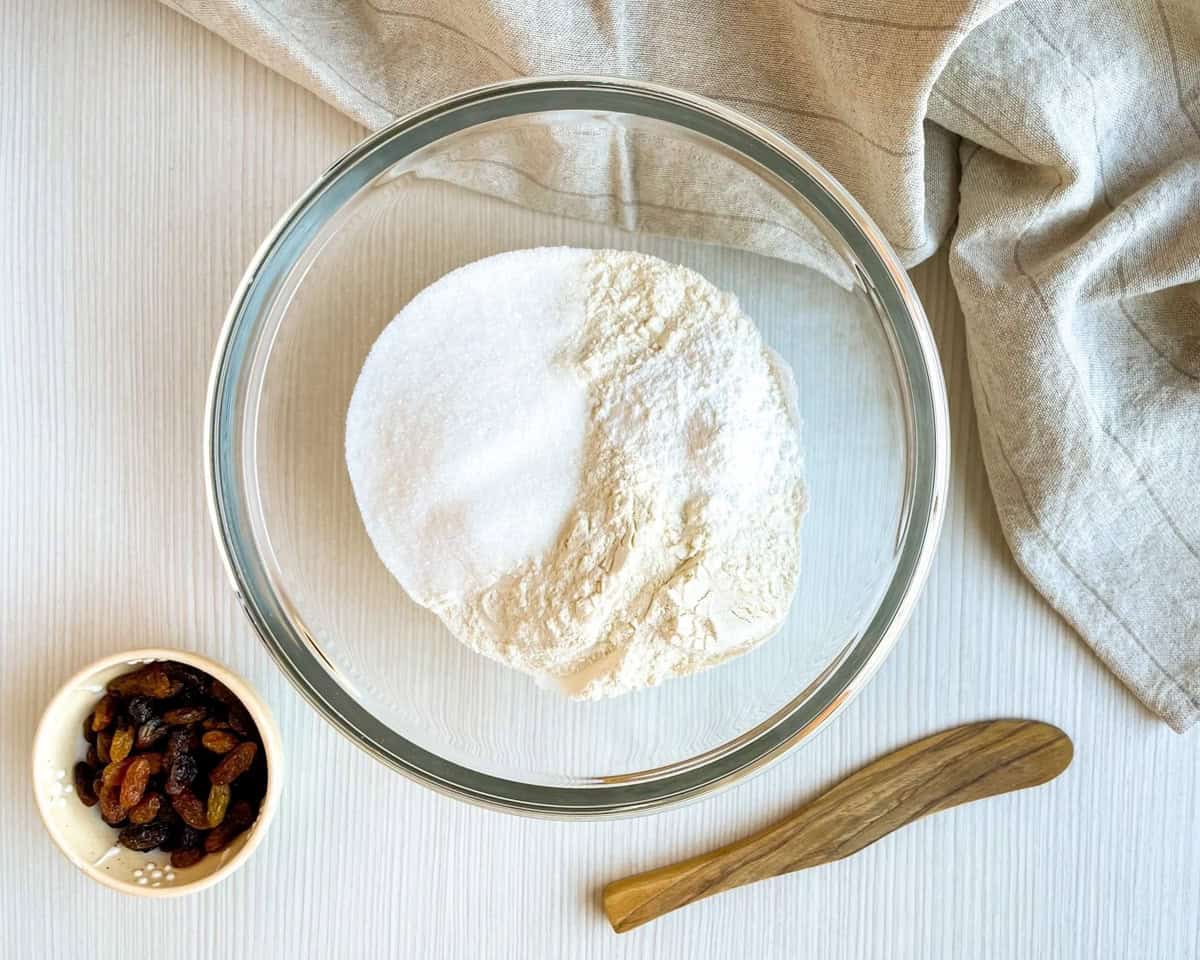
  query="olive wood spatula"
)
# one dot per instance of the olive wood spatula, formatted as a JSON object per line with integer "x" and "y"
{"x": 956, "y": 766}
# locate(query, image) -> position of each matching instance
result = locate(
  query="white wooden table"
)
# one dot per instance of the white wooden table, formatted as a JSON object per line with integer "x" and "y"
{"x": 141, "y": 161}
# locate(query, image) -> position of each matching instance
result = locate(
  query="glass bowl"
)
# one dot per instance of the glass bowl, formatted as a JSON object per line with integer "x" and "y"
{"x": 434, "y": 191}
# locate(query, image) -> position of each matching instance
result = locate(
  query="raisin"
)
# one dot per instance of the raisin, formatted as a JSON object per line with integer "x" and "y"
{"x": 218, "y": 803}
{"x": 240, "y": 816}
{"x": 84, "y": 775}
{"x": 182, "y": 716}
{"x": 144, "y": 837}
{"x": 236, "y": 762}
{"x": 179, "y": 742}
{"x": 219, "y": 691}
{"x": 110, "y": 806}
{"x": 215, "y": 723}
{"x": 183, "y": 771}
{"x": 189, "y": 807}
{"x": 219, "y": 741}
{"x": 189, "y": 677}
{"x": 92, "y": 758}
{"x": 240, "y": 722}
{"x": 133, "y": 785}
{"x": 140, "y": 709}
{"x": 105, "y": 713}
{"x": 187, "y": 857}
{"x": 150, "y": 732}
{"x": 150, "y": 681}
{"x": 103, "y": 742}
{"x": 147, "y": 809}
{"x": 122, "y": 743}
{"x": 114, "y": 773}
{"x": 88, "y": 733}
{"x": 156, "y": 762}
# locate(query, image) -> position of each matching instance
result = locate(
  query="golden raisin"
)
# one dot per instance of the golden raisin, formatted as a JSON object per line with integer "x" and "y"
{"x": 236, "y": 762}
{"x": 150, "y": 681}
{"x": 147, "y": 809}
{"x": 105, "y": 713}
{"x": 110, "y": 806}
{"x": 219, "y": 741}
{"x": 181, "y": 716}
{"x": 103, "y": 742}
{"x": 122, "y": 743}
{"x": 133, "y": 784}
{"x": 218, "y": 803}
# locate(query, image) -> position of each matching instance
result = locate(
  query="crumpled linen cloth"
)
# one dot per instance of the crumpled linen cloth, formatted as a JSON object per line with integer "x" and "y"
{"x": 1055, "y": 144}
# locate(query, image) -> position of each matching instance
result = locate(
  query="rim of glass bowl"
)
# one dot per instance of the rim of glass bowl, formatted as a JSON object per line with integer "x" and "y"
{"x": 926, "y": 423}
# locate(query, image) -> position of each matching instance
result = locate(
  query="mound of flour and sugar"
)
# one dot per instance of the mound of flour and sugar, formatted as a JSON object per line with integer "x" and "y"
{"x": 586, "y": 463}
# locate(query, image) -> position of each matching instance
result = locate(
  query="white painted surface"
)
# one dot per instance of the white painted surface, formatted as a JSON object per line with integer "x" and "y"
{"x": 141, "y": 162}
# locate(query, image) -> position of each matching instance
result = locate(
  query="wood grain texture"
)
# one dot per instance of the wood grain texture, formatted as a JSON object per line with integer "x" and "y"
{"x": 935, "y": 773}
{"x": 142, "y": 161}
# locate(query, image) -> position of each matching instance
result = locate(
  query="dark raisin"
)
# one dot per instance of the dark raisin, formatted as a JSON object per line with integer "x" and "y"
{"x": 240, "y": 722}
{"x": 88, "y": 733}
{"x": 219, "y": 741}
{"x": 105, "y": 713}
{"x": 182, "y": 716}
{"x": 180, "y": 741}
{"x": 190, "y": 677}
{"x": 183, "y": 771}
{"x": 189, "y": 807}
{"x": 140, "y": 709}
{"x": 84, "y": 775}
{"x": 187, "y": 857}
{"x": 92, "y": 758}
{"x": 240, "y": 816}
{"x": 103, "y": 742}
{"x": 144, "y": 837}
{"x": 146, "y": 809}
{"x": 133, "y": 784}
{"x": 122, "y": 742}
{"x": 150, "y": 681}
{"x": 219, "y": 691}
{"x": 150, "y": 732}
{"x": 215, "y": 723}
{"x": 236, "y": 762}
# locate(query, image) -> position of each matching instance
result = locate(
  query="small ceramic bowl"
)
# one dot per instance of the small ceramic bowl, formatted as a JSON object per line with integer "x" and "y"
{"x": 88, "y": 841}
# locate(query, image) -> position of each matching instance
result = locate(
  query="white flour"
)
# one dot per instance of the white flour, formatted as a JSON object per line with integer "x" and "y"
{"x": 629, "y": 512}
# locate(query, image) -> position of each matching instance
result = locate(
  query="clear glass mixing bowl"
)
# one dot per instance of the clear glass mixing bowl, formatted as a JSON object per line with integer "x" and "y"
{"x": 757, "y": 217}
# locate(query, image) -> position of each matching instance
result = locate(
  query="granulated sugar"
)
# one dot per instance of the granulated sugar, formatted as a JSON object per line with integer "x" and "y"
{"x": 586, "y": 463}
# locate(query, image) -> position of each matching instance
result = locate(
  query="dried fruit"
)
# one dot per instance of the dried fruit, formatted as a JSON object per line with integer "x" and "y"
{"x": 179, "y": 741}
{"x": 84, "y": 775}
{"x": 183, "y": 771}
{"x": 122, "y": 742}
{"x": 105, "y": 713}
{"x": 133, "y": 784}
{"x": 189, "y": 807}
{"x": 140, "y": 709}
{"x": 147, "y": 809}
{"x": 187, "y": 857}
{"x": 144, "y": 837}
{"x": 236, "y": 762}
{"x": 219, "y": 741}
{"x": 218, "y": 803}
{"x": 182, "y": 716}
{"x": 110, "y": 806}
{"x": 144, "y": 739}
{"x": 156, "y": 762}
{"x": 150, "y": 681}
{"x": 238, "y": 819}
{"x": 113, "y": 773}
{"x": 150, "y": 732}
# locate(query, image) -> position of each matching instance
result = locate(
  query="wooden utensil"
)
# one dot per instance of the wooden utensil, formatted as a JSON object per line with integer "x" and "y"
{"x": 955, "y": 766}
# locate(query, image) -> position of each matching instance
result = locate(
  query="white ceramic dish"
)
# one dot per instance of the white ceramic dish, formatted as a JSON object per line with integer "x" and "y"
{"x": 90, "y": 843}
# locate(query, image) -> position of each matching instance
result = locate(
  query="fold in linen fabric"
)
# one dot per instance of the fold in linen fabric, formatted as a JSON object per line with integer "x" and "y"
{"x": 1056, "y": 144}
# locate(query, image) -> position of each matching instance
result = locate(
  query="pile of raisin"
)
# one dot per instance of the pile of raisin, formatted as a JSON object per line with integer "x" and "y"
{"x": 174, "y": 762}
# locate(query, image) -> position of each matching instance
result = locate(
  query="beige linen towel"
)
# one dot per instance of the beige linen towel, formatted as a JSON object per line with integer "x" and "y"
{"x": 1055, "y": 143}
